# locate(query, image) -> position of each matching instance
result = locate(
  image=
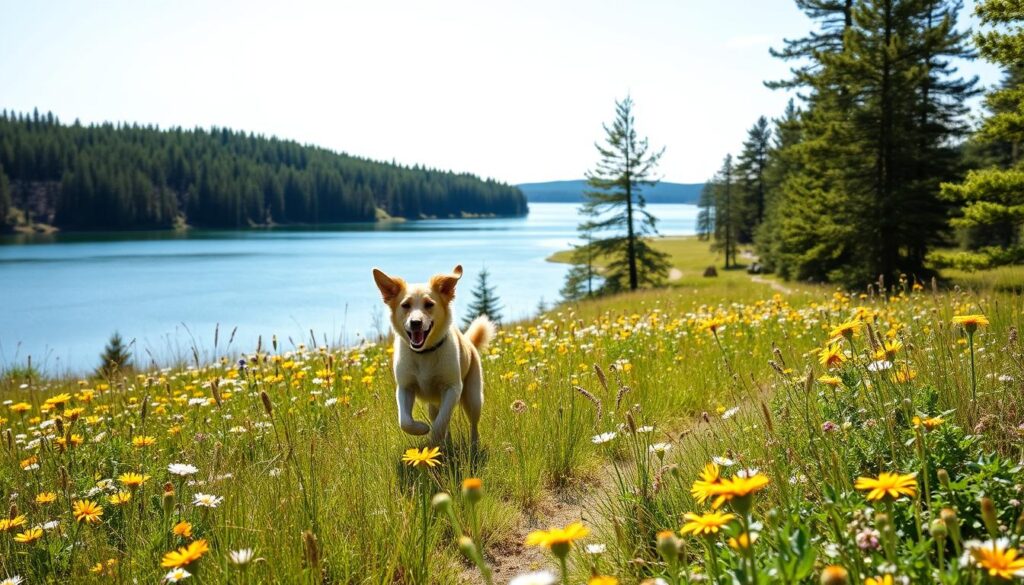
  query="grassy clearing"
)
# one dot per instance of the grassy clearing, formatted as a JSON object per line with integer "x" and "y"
{"x": 297, "y": 456}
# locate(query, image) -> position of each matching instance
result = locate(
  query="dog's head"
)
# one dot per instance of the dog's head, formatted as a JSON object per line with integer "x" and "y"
{"x": 420, "y": 313}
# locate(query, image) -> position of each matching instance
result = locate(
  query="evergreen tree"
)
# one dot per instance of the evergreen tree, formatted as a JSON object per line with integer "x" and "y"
{"x": 615, "y": 205}
{"x": 728, "y": 212}
{"x": 5, "y": 198}
{"x": 116, "y": 357}
{"x": 993, "y": 198}
{"x": 581, "y": 277}
{"x": 783, "y": 161}
{"x": 751, "y": 180}
{"x": 882, "y": 112}
{"x": 485, "y": 300}
{"x": 706, "y": 212}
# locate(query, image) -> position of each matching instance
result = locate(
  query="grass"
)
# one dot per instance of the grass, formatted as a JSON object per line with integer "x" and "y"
{"x": 299, "y": 449}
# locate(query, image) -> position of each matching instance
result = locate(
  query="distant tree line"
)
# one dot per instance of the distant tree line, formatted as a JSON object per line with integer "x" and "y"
{"x": 120, "y": 176}
{"x": 862, "y": 176}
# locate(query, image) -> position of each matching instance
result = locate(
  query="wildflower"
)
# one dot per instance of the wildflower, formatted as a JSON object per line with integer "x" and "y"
{"x": 9, "y": 524}
{"x": 537, "y": 578}
{"x": 830, "y": 380}
{"x": 970, "y": 323}
{"x": 13, "y": 580}
{"x": 241, "y": 556}
{"x": 472, "y": 489}
{"x": 182, "y": 529}
{"x": 713, "y": 324}
{"x": 659, "y": 449}
{"x": 706, "y": 524}
{"x": 995, "y": 557}
{"x": 120, "y": 498}
{"x": 132, "y": 480}
{"x": 738, "y": 489}
{"x": 426, "y": 456}
{"x": 182, "y": 469}
{"x": 558, "y": 540}
{"x": 831, "y": 356}
{"x": 29, "y": 536}
{"x": 905, "y": 374}
{"x": 206, "y": 500}
{"x": 87, "y": 511}
{"x": 43, "y": 498}
{"x": 847, "y": 329}
{"x": 602, "y": 580}
{"x": 20, "y": 407}
{"x": 889, "y": 349}
{"x": 176, "y": 575}
{"x": 143, "y": 441}
{"x": 185, "y": 555}
{"x": 58, "y": 400}
{"x": 835, "y": 575}
{"x": 706, "y": 484}
{"x": 887, "y": 486}
{"x": 742, "y": 542}
{"x": 868, "y": 539}
{"x": 603, "y": 438}
{"x": 730, "y": 413}
{"x": 880, "y": 580}
{"x": 928, "y": 423}
{"x": 596, "y": 548}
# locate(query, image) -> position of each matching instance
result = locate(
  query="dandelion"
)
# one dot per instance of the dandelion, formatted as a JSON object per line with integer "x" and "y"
{"x": 603, "y": 438}
{"x": 182, "y": 469}
{"x": 43, "y": 498}
{"x": 713, "y": 325}
{"x": 739, "y": 489}
{"x": 705, "y": 524}
{"x": 928, "y": 423}
{"x": 846, "y": 330}
{"x": 182, "y": 529}
{"x": 176, "y": 575}
{"x": 831, "y": 356}
{"x": 29, "y": 536}
{"x": 995, "y": 557}
{"x": 971, "y": 323}
{"x": 142, "y": 441}
{"x": 120, "y": 498}
{"x": 132, "y": 480}
{"x": 185, "y": 555}
{"x": 9, "y": 524}
{"x": 206, "y": 500}
{"x": 87, "y": 511}
{"x": 426, "y": 456}
{"x": 558, "y": 540}
{"x": 887, "y": 486}
{"x": 706, "y": 484}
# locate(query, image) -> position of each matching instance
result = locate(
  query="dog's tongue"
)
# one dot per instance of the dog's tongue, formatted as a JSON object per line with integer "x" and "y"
{"x": 418, "y": 337}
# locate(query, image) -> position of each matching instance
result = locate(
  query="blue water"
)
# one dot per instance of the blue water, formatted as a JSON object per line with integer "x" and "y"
{"x": 62, "y": 296}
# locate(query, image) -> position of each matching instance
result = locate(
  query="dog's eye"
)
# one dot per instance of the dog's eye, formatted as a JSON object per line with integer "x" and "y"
{"x": 406, "y": 305}
{"x": 428, "y": 303}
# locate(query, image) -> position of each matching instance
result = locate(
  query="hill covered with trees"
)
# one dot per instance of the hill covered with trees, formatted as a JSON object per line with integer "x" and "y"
{"x": 120, "y": 176}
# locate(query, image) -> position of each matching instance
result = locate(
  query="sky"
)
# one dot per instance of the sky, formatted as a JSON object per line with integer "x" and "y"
{"x": 516, "y": 91}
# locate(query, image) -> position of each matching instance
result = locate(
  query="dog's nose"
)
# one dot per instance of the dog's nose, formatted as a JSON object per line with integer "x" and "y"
{"x": 415, "y": 324}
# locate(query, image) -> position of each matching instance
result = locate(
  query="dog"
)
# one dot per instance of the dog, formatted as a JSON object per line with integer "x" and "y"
{"x": 433, "y": 360}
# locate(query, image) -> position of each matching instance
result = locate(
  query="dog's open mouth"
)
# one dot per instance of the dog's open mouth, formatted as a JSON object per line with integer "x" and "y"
{"x": 419, "y": 337}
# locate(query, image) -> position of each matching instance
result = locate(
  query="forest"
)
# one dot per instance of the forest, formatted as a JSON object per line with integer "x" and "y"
{"x": 126, "y": 176}
{"x": 877, "y": 168}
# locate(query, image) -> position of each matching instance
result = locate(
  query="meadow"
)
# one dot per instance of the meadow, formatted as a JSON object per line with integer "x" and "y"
{"x": 719, "y": 430}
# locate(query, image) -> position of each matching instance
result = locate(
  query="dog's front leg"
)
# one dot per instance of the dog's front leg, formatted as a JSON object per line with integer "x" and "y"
{"x": 406, "y": 399}
{"x": 439, "y": 426}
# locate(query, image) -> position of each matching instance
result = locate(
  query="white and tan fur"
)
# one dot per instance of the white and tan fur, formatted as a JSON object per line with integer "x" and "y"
{"x": 434, "y": 361}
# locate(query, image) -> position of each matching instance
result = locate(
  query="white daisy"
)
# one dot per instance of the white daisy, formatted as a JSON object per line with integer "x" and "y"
{"x": 596, "y": 548}
{"x": 206, "y": 500}
{"x": 176, "y": 575}
{"x": 603, "y": 438}
{"x": 182, "y": 469}
{"x": 15, "y": 580}
{"x": 241, "y": 556}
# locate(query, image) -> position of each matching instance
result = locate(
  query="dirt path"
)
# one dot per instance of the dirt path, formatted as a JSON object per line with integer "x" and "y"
{"x": 774, "y": 284}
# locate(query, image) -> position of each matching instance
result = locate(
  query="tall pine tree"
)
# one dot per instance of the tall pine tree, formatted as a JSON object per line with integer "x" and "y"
{"x": 728, "y": 212}
{"x": 485, "y": 300}
{"x": 615, "y": 205}
{"x": 750, "y": 178}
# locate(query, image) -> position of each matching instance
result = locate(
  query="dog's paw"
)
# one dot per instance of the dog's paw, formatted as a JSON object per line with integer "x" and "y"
{"x": 415, "y": 427}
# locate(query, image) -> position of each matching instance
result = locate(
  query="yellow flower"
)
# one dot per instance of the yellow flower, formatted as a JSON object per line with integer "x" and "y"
{"x": 25, "y": 463}
{"x": 713, "y": 324}
{"x": 707, "y": 524}
{"x": 831, "y": 356}
{"x": 143, "y": 441}
{"x": 29, "y": 536}
{"x": 558, "y": 540}
{"x": 741, "y": 542}
{"x": 426, "y": 456}
{"x": 120, "y": 498}
{"x": 602, "y": 580}
{"x": 87, "y": 511}
{"x": 58, "y": 400}
{"x": 889, "y": 349}
{"x": 182, "y": 529}
{"x": 928, "y": 423}
{"x": 905, "y": 374}
{"x": 46, "y": 498}
{"x": 739, "y": 486}
{"x": 708, "y": 480}
{"x": 835, "y": 575}
{"x": 20, "y": 407}
{"x": 9, "y": 524}
{"x": 879, "y": 580}
{"x": 887, "y": 486}
{"x": 970, "y": 323}
{"x": 830, "y": 380}
{"x": 132, "y": 479}
{"x": 997, "y": 558}
{"x": 847, "y": 329}
{"x": 185, "y": 555}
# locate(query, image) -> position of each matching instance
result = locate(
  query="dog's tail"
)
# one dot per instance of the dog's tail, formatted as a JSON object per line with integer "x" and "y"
{"x": 480, "y": 332}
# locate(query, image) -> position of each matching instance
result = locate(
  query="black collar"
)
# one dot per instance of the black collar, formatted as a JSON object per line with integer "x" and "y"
{"x": 434, "y": 347}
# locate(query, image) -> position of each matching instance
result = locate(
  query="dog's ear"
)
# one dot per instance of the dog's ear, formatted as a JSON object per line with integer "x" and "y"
{"x": 444, "y": 284}
{"x": 389, "y": 287}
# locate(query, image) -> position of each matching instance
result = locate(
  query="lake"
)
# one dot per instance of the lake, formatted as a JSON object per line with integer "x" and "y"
{"x": 64, "y": 295}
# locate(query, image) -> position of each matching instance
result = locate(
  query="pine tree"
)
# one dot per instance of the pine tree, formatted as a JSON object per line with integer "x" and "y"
{"x": 581, "y": 277}
{"x": 615, "y": 205}
{"x": 750, "y": 179}
{"x": 116, "y": 357}
{"x": 706, "y": 212}
{"x": 728, "y": 212}
{"x": 485, "y": 300}
{"x": 5, "y": 198}
{"x": 993, "y": 198}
